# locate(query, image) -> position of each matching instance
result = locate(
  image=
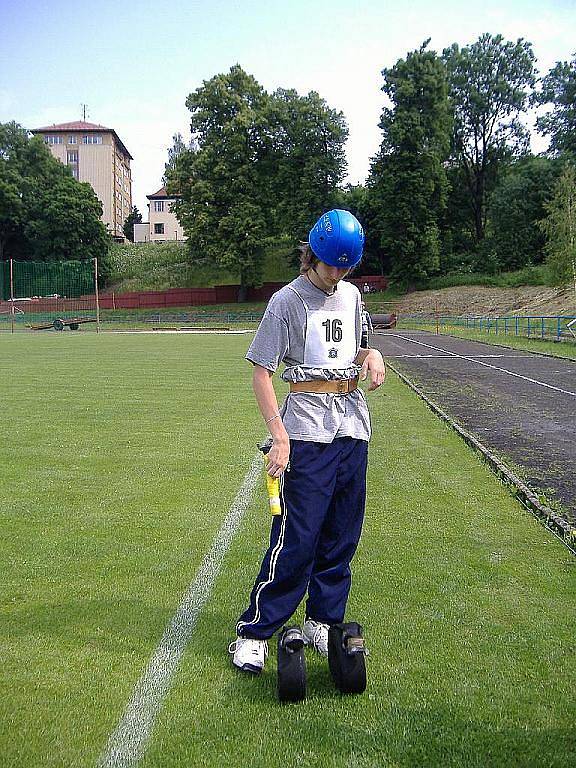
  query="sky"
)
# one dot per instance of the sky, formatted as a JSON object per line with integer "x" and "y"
{"x": 134, "y": 64}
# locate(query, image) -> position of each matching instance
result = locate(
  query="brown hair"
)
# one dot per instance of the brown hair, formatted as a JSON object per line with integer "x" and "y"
{"x": 307, "y": 258}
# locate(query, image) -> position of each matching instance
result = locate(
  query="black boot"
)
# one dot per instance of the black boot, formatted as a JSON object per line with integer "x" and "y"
{"x": 291, "y": 665}
{"x": 346, "y": 657}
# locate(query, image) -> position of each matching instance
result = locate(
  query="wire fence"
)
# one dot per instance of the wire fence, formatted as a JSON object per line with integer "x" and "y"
{"x": 38, "y": 295}
{"x": 552, "y": 327}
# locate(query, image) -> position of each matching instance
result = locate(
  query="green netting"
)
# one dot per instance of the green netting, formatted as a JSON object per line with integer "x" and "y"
{"x": 66, "y": 279}
{"x": 46, "y": 294}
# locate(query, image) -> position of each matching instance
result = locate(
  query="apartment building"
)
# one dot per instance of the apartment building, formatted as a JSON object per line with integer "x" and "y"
{"x": 95, "y": 154}
{"x": 163, "y": 222}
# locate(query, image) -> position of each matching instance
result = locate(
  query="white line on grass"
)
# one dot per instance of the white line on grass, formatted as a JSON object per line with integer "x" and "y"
{"x": 128, "y": 741}
{"x": 487, "y": 365}
{"x": 189, "y": 331}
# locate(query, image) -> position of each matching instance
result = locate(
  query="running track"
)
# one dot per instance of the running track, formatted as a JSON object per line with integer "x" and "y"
{"x": 521, "y": 405}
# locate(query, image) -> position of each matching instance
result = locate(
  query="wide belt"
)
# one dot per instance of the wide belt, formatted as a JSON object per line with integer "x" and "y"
{"x": 319, "y": 386}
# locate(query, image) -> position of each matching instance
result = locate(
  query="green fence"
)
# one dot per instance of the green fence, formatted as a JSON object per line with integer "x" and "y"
{"x": 45, "y": 292}
{"x": 67, "y": 279}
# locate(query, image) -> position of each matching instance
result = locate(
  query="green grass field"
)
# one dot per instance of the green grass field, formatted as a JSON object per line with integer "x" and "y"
{"x": 120, "y": 457}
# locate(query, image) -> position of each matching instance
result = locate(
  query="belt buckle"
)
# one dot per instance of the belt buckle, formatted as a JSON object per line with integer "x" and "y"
{"x": 342, "y": 386}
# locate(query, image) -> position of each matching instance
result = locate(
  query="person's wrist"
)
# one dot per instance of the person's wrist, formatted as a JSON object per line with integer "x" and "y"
{"x": 279, "y": 435}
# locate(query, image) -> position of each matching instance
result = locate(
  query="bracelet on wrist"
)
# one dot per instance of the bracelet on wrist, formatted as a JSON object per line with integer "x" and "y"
{"x": 276, "y": 416}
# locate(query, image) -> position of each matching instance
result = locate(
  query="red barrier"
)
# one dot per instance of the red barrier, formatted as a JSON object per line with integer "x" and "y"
{"x": 173, "y": 297}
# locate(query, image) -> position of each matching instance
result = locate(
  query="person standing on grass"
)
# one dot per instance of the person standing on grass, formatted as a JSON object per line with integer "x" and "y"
{"x": 319, "y": 441}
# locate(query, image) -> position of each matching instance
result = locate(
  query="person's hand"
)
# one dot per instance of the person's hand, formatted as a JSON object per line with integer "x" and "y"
{"x": 374, "y": 367}
{"x": 278, "y": 457}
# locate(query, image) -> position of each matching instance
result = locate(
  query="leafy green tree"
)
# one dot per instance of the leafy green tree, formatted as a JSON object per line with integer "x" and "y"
{"x": 12, "y": 213}
{"x": 408, "y": 184}
{"x": 45, "y": 214}
{"x": 516, "y": 206}
{"x": 222, "y": 205}
{"x": 177, "y": 148}
{"x": 559, "y": 89}
{"x": 261, "y": 166}
{"x": 559, "y": 227}
{"x": 490, "y": 86}
{"x": 134, "y": 217}
{"x": 359, "y": 200}
{"x": 65, "y": 223}
{"x": 306, "y": 159}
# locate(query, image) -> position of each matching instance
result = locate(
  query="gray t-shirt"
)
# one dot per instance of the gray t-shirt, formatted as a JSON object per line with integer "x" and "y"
{"x": 317, "y": 336}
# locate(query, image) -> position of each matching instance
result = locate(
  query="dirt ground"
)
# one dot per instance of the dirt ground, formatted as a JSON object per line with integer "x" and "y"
{"x": 484, "y": 301}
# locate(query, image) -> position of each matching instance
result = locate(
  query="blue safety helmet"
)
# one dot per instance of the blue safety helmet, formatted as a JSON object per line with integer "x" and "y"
{"x": 337, "y": 239}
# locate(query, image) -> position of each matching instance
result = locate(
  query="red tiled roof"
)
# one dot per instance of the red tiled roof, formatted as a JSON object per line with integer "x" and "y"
{"x": 80, "y": 125}
{"x": 162, "y": 194}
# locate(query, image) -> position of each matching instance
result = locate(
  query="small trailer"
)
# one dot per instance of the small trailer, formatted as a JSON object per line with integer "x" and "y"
{"x": 59, "y": 324}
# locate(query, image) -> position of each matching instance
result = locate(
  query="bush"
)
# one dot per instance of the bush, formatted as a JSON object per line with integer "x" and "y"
{"x": 532, "y": 275}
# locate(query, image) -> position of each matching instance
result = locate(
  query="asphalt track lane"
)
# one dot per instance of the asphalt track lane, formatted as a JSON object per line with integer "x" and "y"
{"x": 521, "y": 405}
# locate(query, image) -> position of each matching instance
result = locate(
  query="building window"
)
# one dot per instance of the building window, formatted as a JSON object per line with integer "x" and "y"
{"x": 159, "y": 206}
{"x": 74, "y": 169}
{"x": 158, "y": 229}
{"x": 72, "y": 156}
{"x": 53, "y": 140}
{"x": 72, "y": 140}
{"x": 92, "y": 139}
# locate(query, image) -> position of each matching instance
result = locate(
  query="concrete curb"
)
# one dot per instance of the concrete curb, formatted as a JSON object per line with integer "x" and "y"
{"x": 553, "y": 522}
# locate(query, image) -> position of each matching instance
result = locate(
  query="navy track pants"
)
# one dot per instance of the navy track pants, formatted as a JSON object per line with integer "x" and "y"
{"x": 313, "y": 540}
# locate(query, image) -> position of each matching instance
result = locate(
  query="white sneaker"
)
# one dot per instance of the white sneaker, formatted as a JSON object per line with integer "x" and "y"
{"x": 316, "y": 635}
{"x": 249, "y": 655}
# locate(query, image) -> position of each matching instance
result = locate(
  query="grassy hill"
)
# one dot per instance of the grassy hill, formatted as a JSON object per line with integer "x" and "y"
{"x": 158, "y": 266}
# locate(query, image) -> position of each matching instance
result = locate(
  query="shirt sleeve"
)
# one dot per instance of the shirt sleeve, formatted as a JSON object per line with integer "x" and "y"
{"x": 270, "y": 343}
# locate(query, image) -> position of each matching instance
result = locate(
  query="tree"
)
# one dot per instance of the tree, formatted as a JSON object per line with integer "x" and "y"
{"x": 261, "y": 166}
{"x": 177, "y": 148}
{"x": 45, "y": 214}
{"x": 516, "y": 206}
{"x": 306, "y": 159}
{"x": 222, "y": 206}
{"x": 407, "y": 185}
{"x": 356, "y": 199}
{"x": 559, "y": 227}
{"x": 559, "y": 89}
{"x": 134, "y": 217}
{"x": 490, "y": 84}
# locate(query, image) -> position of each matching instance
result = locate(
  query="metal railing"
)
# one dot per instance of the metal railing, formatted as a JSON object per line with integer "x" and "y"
{"x": 555, "y": 327}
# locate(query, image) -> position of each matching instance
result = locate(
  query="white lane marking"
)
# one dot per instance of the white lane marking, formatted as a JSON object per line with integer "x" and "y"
{"x": 162, "y": 331}
{"x": 128, "y": 741}
{"x": 486, "y": 365}
{"x": 450, "y": 356}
